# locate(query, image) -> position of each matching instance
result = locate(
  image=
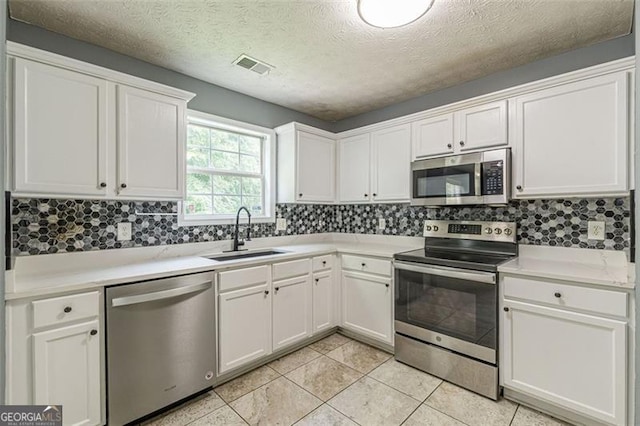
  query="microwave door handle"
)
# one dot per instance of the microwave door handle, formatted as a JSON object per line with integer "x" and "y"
{"x": 483, "y": 277}
{"x": 478, "y": 179}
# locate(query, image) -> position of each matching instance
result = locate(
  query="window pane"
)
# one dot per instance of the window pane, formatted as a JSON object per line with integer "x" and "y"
{"x": 197, "y": 157}
{"x": 249, "y": 145}
{"x": 197, "y": 204}
{"x": 249, "y": 163}
{"x": 226, "y": 185}
{"x": 252, "y": 186}
{"x": 254, "y": 204}
{"x": 224, "y": 160}
{"x": 197, "y": 136}
{"x": 198, "y": 183}
{"x": 226, "y": 204}
{"x": 225, "y": 141}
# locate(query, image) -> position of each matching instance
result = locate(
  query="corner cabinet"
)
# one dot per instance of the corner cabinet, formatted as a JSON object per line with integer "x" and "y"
{"x": 82, "y": 130}
{"x": 367, "y": 297}
{"x": 376, "y": 167}
{"x": 566, "y": 345}
{"x": 306, "y": 165}
{"x": 55, "y": 355}
{"x": 573, "y": 139}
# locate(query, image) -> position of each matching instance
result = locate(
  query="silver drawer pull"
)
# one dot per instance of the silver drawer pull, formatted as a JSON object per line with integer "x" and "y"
{"x": 159, "y": 295}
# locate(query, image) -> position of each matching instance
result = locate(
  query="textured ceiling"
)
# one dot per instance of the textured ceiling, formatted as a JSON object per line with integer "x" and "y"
{"x": 329, "y": 63}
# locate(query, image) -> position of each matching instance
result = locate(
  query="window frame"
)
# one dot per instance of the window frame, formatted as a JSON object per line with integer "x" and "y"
{"x": 268, "y": 154}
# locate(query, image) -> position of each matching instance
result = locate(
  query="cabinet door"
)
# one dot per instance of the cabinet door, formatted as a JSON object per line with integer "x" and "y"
{"x": 433, "y": 136}
{"x": 66, "y": 371}
{"x": 316, "y": 168}
{"x": 60, "y": 131}
{"x": 291, "y": 311}
{"x": 391, "y": 164}
{"x": 573, "y": 139}
{"x": 151, "y": 135}
{"x": 244, "y": 326}
{"x": 483, "y": 126}
{"x": 572, "y": 360}
{"x": 323, "y": 301}
{"x": 355, "y": 163}
{"x": 366, "y": 302}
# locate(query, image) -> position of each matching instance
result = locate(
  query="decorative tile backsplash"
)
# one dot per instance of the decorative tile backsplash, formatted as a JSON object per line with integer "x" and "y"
{"x": 41, "y": 226}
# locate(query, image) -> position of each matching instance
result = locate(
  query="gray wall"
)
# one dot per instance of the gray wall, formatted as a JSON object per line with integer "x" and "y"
{"x": 559, "y": 64}
{"x": 210, "y": 98}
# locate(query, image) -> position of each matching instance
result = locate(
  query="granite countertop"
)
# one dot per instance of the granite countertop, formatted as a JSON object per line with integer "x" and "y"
{"x": 583, "y": 266}
{"x": 91, "y": 278}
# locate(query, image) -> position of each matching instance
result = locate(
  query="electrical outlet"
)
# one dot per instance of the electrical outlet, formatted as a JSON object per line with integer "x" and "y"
{"x": 382, "y": 224}
{"x": 281, "y": 224}
{"x": 124, "y": 231}
{"x": 595, "y": 230}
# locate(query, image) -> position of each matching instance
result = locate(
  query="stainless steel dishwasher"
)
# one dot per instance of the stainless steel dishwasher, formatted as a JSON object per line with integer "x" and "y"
{"x": 160, "y": 344}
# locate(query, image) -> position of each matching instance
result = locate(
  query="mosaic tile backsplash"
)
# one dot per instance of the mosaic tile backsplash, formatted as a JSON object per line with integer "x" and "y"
{"x": 42, "y": 226}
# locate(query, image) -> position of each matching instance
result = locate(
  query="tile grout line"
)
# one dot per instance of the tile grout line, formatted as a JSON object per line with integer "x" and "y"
{"x": 514, "y": 414}
{"x": 440, "y": 411}
{"x": 244, "y": 394}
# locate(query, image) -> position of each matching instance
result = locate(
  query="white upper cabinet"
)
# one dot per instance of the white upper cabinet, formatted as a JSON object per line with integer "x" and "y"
{"x": 376, "y": 167}
{"x": 572, "y": 140}
{"x": 306, "y": 165}
{"x": 479, "y": 127}
{"x": 82, "y": 130}
{"x": 433, "y": 136}
{"x": 60, "y": 131}
{"x": 391, "y": 164}
{"x": 355, "y": 162}
{"x": 482, "y": 127}
{"x": 151, "y": 136}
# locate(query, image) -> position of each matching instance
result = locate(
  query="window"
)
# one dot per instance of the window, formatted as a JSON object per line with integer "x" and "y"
{"x": 229, "y": 165}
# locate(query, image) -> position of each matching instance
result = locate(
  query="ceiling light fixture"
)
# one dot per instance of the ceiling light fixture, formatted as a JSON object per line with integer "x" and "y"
{"x": 392, "y": 13}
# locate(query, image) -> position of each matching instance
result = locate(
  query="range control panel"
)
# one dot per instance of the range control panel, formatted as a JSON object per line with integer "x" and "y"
{"x": 472, "y": 230}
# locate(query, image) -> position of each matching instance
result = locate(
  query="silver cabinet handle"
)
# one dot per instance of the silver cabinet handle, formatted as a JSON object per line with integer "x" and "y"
{"x": 159, "y": 295}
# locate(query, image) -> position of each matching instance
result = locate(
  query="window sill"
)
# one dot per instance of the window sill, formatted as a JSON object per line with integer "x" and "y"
{"x": 182, "y": 221}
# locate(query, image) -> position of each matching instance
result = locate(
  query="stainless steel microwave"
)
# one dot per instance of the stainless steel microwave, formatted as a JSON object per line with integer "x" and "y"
{"x": 476, "y": 178}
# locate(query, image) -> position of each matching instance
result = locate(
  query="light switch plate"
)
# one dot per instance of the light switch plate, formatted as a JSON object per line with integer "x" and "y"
{"x": 124, "y": 231}
{"x": 595, "y": 230}
{"x": 382, "y": 224}
{"x": 281, "y": 224}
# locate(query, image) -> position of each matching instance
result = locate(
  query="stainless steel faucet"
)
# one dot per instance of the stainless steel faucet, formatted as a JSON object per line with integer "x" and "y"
{"x": 237, "y": 243}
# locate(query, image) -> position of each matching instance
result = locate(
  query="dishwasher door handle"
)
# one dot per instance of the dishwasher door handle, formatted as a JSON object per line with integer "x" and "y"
{"x": 159, "y": 295}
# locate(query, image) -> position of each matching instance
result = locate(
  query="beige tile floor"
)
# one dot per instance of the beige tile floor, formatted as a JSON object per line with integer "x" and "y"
{"x": 338, "y": 381}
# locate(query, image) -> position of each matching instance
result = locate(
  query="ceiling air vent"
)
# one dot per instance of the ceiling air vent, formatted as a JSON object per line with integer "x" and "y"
{"x": 253, "y": 64}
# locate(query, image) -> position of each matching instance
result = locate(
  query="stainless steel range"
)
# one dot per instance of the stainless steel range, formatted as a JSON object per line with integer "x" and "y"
{"x": 446, "y": 318}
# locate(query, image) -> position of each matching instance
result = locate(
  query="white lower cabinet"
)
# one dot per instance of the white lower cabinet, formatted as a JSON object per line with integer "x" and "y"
{"x": 66, "y": 371}
{"x": 244, "y": 326}
{"x": 573, "y": 360}
{"x": 323, "y": 300}
{"x": 367, "y": 301}
{"x": 291, "y": 311}
{"x": 55, "y": 355}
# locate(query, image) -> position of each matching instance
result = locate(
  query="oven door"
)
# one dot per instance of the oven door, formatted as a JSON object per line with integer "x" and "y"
{"x": 437, "y": 183}
{"x": 448, "y": 307}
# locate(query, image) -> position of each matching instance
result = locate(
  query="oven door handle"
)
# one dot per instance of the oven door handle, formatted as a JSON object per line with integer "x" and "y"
{"x": 483, "y": 277}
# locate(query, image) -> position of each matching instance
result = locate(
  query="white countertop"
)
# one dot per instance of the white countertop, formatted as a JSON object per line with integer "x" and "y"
{"x": 584, "y": 266}
{"x": 45, "y": 278}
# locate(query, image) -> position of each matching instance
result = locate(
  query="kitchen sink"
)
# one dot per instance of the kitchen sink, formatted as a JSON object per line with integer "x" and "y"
{"x": 245, "y": 255}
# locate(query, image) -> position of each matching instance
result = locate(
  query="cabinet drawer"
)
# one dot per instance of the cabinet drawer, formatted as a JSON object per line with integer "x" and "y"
{"x": 239, "y": 278}
{"x": 60, "y": 310}
{"x": 367, "y": 264}
{"x": 294, "y": 268}
{"x": 567, "y": 296}
{"x": 322, "y": 262}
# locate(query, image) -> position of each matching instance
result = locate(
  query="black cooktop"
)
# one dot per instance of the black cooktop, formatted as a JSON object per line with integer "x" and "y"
{"x": 455, "y": 259}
